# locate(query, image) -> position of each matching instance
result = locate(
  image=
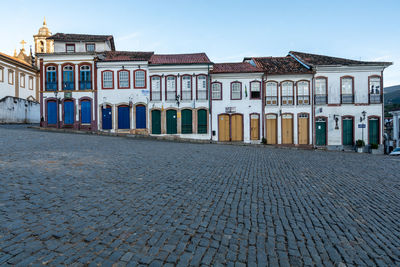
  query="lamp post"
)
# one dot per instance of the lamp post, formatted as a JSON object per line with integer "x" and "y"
{"x": 364, "y": 113}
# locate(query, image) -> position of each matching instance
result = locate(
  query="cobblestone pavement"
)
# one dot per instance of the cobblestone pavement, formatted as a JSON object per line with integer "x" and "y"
{"x": 69, "y": 199}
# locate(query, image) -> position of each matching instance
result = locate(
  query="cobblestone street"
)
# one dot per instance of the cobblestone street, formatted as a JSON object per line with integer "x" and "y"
{"x": 93, "y": 200}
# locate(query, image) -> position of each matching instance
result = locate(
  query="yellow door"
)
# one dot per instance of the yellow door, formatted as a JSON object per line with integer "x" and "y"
{"x": 223, "y": 128}
{"x": 303, "y": 129}
{"x": 287, "y": 129}
{"x": 271, "y": 129}
{"x": 237, "y": 127}
{"x": 254, "y": 127}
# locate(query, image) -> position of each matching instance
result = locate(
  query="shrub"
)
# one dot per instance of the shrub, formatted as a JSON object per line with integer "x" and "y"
{"x": 360, "y": 143}
{"x": 374, "y": 146}
{"x": 264, "y": 141}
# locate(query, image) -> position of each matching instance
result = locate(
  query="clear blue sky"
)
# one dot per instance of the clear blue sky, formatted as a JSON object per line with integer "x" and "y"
{"x": 226, "y": 30}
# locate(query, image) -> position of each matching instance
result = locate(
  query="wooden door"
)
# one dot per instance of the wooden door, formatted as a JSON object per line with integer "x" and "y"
{"x": 171, "y": 122}
{"x": 347, "y": 131}
{"x": 123, "y": 117}
{"x": 156, "y": 122}
{"x": 320, "y": 132}
{"x": 202, "y": 121}
{"x": 69, "y": 116}
{"x": 140, "y": 117}
{"x": 271, "y": 125}
{"x": 52, "y": 113}
{"x": 237, "y": 127}
{"x": 303, "y": 129}
{"x": 287, "y": 129}
{"x": 373, "y": 131}
{"x": 186, "y": 121}
{"x": 254, "y": 127}
{"x": 223, "y": 128}
{"x": 107, "y": 118}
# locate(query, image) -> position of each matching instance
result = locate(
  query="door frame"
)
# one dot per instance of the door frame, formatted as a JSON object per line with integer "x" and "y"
{"x": 276, "y": 126}
{"x": 230, "y": 126}
{"x": 326, "y": 129}
{"x": 352, "y": 117}
{"x": 166, "y": 119}
{"x": 229, "y": 129}
{"x": 101, "y": 115}
{"x": 145, "y": 115}
{"x": 258, "y": 133}
{"x": 308, "y": 128}
{"x": 117, "y": 116}
{"x": 85, "y": 98}
{"x": 287, "y": 113}
{"x": 151, "y": 120}
{"x": 63, "y": 113}
{"x": 379, "y": 127}
{"x": 51, "y": 99}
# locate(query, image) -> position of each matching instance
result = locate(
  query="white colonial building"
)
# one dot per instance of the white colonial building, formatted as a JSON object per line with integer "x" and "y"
{"x": 300, "y": 99}
{"x": 68, "y": 93}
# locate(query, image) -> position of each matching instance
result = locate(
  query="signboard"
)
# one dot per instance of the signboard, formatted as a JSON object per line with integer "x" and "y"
{"x": 230, "y": 109}
{"x": 361, "y": 125}
{"x": 68, "y": 95}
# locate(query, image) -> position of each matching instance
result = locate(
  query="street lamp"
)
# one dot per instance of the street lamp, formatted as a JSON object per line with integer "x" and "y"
{"x": 364, "y": 113}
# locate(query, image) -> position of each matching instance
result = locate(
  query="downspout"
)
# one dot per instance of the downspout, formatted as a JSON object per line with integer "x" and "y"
{"x": 95, "y": 127}
{"x": 41, "y": 92}
{"x": 383, "y": 110}
{"x": 313, "y": 112}
{"x": 264, "y": 82}
{"x": 209, "y": 101}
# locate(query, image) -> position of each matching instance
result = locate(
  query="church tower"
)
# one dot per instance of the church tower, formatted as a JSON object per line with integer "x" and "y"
{"x": 42, "y": 45}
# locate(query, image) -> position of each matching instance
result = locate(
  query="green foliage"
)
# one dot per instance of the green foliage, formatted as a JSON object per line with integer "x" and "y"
{"x": 360, "y": 143}
{"x": 374, "y": 146}
{"x": 264, "y": 141}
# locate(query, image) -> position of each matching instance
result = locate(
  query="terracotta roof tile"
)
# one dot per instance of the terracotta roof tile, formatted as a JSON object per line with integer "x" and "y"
{"x": 172, "y": 59}
{"x": 240, "y": 67}
{"x": 281, "y": 65}
{"x": 17, "y": 60}
{"x": 125, "y": 56}
{"x": 314, "y": 60}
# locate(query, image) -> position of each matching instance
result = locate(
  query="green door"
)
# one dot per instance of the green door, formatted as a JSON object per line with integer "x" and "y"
{"x": 202, "y": 121}
{"x": 347, "y": 131}
{"x": 156, "y": 122}
{"x": 186, "y": 121}
{"x": 373, "y": 131}
{"x": 171, "y": 122}
{"x": 320, "y": 132}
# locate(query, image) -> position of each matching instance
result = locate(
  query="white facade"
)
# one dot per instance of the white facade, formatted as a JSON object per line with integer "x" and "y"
{"x": 396, "y": 128}
{"x": 81, "y": 47}
{"x": 364, "y": 107}
{"x": 245, "y": 106}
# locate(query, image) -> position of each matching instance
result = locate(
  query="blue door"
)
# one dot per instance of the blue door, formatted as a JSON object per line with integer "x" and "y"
{"x": 106, "y": 118}
{"x": 123, "y": 117}
{"x": 140, "y": 117}
{"x": 68, "y": 112}
{"x": 51, "y": 112}
{"x": 86, "y": 111}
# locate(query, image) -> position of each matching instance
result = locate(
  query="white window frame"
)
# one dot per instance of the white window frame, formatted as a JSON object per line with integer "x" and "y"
{"x": 271, "y": 94}
{"x": 171, "y": 88}
{"x": 1, "y": 74}
{"x": 186, "y": 93}
{"x": 287, "y": 93}
{"x": 158, "y": 91}
{"x": 201, "y": 87}
{"x": 110, "y": 79}
{"x": 22, "y": 80}
{"x": 303, "y": 93}
{"x": 140, "y": 80}
{"x": 216, "y": 88}
{"x": 123, "y": 79}
{"x": 30, "y": 83}
{"x": 236, "y": 91}
{"x": 10, "y": 74}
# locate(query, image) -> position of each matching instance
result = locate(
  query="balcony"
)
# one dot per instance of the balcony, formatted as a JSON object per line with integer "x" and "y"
{"x": 51, "y": 86}
{"x": 67, "y": 86}
{"x": 271, "y": 100}
{"x": 85, "y": 85}
{"x": 347, "y": 98}
{"x": 321, "y": 99}
{"x": 375, "y": 99}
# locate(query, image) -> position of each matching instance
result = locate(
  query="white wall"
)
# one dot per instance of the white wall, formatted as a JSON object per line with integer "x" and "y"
{"x": 245, "y": 106}
{"x": 59, "y": 47}
{"x": 16, "y": 110}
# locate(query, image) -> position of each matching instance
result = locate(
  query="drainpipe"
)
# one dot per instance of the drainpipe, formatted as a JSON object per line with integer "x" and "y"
{"x": 383, "y": 111}
{"x": 264, "y": 82}
{"x": 313, "y": 113}
{"x": 41, "y": 81}
{"x": 95, "y": 124}
{"x": 209, "y": 101}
